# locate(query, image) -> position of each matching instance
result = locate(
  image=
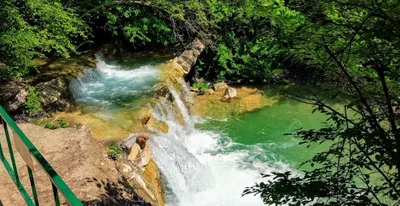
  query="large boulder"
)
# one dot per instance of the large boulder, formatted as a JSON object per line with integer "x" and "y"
{"x": 53, "y": 94}
{"x": 51, "y": 91}
{"x": 13, "y": 95}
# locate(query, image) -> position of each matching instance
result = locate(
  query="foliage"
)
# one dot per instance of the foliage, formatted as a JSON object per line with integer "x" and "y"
{"x": 251, "y": 43}
{"x": 62, "y": 123}
{"x": 139, "y": 25}
{"x": 50, "y": 125}
{"x": 200, "y": 85}
{"x": 115, "y": 150}
{"x": 356, "y": 47}
{"x": 33, "y": 103}
{"x": 35, "y": 28}
{"x": 39, "y": 121}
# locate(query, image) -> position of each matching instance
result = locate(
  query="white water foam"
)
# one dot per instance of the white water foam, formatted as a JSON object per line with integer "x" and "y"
{"x": 200, "y": 168}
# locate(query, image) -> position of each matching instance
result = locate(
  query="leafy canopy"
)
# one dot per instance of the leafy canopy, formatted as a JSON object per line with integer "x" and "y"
{"x": 35, "y": 28}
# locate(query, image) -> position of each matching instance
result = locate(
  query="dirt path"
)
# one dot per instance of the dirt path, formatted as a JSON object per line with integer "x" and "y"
{"x": 78, "y": 159}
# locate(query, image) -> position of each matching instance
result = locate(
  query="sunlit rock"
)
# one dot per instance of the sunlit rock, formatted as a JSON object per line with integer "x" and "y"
{"x": 230, "y": 93}
{"x": 51, "y": 92}
{"x": 157, "y": 125}
{"x": 220, "y": 86}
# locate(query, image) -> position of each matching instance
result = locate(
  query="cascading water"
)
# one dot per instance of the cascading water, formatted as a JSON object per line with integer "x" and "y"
{"x": 198, "y": 166}
{"x": 108, "y": 84}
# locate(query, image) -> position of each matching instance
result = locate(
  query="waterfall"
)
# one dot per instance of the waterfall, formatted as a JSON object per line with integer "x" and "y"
{"x": 110, "y": 84}
{"x": 198, "y": 167}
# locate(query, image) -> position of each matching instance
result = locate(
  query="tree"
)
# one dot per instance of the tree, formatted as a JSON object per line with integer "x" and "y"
{"x": 35, "y": 28}
{"x": 356, "y": 45}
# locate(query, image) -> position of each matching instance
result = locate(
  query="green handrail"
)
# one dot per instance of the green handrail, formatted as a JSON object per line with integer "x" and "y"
{"x": 57, "y": 183}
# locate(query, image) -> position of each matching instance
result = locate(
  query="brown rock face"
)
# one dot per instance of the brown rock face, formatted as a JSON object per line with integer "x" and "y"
{"x": 12, "y": 95}
{"x": 189, "y": 57}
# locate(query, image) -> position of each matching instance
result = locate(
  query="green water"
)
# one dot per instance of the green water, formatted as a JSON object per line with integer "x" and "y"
{"x": 266, "y": 129}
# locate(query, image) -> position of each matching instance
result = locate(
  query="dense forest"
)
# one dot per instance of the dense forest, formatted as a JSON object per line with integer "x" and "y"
{"x": 350, "y": 45}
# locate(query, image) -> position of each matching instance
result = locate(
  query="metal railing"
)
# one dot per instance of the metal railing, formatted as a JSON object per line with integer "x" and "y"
{"x": 27, "y": 150}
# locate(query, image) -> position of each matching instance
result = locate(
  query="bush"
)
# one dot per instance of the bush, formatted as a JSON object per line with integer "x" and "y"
{"x": 114, "y": 150}
{"x": 32, "y": 104}
{"x": 50, "y": 126}
{"x": 201, "y": 86}
{"x": 62, "y": 123}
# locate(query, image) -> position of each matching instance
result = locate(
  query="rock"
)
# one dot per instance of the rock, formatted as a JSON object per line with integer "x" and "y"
{"x": 221, "y": 86}
{"x": 198, "y": 45}
{"x": 194, "y": 89}
{"x": 51, "y": 91}
{"x": 18, "y": 101}
{"x": 210, "y": 91}
{"x": 189, "y": 57}
{"x": 186, "y": 65}
{"x": 230, "y": 93}
{"x": 162, "y": 91}
{"x": 12, "y": 95}
{"x": 157, "y": 125}
{"x": 144, "y": 115}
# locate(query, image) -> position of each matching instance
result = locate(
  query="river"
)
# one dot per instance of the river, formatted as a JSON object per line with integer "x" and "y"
{"x": 203, "y": 161}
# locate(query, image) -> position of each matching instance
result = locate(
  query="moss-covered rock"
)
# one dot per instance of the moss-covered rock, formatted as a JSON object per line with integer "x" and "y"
{"x": 54, "y": 94}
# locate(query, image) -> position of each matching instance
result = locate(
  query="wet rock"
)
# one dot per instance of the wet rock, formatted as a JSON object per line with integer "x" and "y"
{"x": 230, "y": 93}
{"x": 144, "y": 115}
{"x": 157, "y": 125}
{"x": 162, "y": 91}
{"x": 221, "y": 86}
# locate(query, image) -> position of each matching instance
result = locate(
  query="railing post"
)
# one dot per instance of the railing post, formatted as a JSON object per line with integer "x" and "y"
{"x": 55, "y": 193}
{"x": 34, "y": 194}
{"x": 1, "y": 148}
{"x": 11, "y": 153}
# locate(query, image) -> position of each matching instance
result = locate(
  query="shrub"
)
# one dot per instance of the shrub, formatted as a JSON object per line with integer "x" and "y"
{"x": 201, "y": 86}
{"x": 62, "y": 123}
{"x": 32, "y": 104}
{"x": 50, "y": 126}
{"x": 114, "y": 150}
